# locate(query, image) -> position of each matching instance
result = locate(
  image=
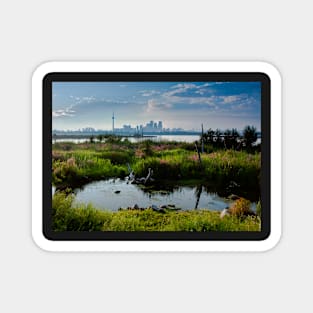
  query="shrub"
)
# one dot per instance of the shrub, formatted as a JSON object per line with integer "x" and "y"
{"x": 83, "y": 218}
{"x": 240, "y": 207}
{"x": 62, "y": 171}
{"x": 147, "y": 148}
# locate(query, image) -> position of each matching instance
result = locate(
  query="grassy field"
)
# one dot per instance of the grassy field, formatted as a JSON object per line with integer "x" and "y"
{"x": 67, "y": 217}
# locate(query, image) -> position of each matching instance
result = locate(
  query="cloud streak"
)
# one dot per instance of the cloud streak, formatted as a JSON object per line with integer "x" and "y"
{"x": 154, "y": 105}
{"x": 67, "y": 112}
{"x": 149, "y": 93}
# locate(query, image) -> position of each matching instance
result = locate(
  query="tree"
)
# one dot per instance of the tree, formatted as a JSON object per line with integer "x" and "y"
{"x": 218, "y": 137}
{"x": 250, "y": 136}
{"x": 231, "y": 138}
{"x": 100, "y": 138}
{"x": 208, "y": 136}
{"x": 227, "y": 138}
{"x": 210, "y": 133}
{"x": 234, "y": 138}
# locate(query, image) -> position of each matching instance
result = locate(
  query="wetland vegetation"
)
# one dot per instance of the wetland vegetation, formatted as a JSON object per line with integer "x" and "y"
{"x": 224, "y": 165}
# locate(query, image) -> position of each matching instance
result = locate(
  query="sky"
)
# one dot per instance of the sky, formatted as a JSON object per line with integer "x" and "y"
{"x": 184, "y": 105}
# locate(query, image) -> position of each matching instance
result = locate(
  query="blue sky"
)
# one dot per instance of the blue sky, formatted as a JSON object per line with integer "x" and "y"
{"x": 178, "y": 104}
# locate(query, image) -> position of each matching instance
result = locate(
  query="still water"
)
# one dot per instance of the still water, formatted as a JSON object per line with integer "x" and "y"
{"x": 113, "y": 194}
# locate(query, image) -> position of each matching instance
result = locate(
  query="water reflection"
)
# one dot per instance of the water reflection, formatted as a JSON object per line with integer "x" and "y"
{"x": 114, "y": 194}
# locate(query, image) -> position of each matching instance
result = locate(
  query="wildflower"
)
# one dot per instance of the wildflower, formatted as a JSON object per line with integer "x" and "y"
{"x": 194, "y": 157}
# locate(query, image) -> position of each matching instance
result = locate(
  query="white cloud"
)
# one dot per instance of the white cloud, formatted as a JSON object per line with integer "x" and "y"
{"x": 179, "y": 88}
{"x": 182, "y": 94}
{"x": 64, "y": 112}
{"x": 212, "y": 102}
{"x": 60, "y": 113}
{"x": 154, "y": 105}
{"x": 197, "y": 89}
{"x": 68, "y": 111}
{"x": 88, "y": 99}
{"x": 230, "y": 99}
{"x": 201, "y": 92}
{"x": 184, "y": 86}
{"x": 114, "y": 101}
{"x": 149, "y": 93}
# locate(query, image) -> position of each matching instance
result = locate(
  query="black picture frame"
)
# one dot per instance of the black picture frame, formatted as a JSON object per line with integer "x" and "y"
{"x": 157, "y": 77}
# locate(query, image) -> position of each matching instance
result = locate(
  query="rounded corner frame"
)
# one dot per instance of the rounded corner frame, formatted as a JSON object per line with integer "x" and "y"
{"x": 268, "y": 243}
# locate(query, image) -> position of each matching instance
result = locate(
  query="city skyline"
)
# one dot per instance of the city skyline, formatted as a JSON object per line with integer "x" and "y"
{"x": 182, "y": 105}
{"x": 150, "y": 126}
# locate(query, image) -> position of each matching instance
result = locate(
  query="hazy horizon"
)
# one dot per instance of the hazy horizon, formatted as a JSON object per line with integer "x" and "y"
{"x": 186, "y": 105}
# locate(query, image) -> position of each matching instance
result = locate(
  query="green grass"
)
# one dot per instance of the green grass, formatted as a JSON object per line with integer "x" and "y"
{"x": 81, "y": 163}
{"x": 67, "y": 217}
{"x": 77, "y": 167}
{"x": 180, "y": 163}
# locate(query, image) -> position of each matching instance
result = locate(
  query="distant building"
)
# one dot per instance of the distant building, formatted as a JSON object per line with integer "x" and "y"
{"x": 152, "y": 126}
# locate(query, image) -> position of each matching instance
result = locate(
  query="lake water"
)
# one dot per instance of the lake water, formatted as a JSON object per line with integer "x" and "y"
{"x": 102, "y": 194}
{"x": 180, "y": 138}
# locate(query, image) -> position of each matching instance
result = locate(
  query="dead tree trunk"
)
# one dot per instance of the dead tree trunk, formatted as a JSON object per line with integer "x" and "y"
{"x": 199, "y": 156}
{"x": 198, "y": 195}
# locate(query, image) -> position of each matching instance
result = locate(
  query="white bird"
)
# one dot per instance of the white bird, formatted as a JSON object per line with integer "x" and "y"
{"x": 225, "y": 212}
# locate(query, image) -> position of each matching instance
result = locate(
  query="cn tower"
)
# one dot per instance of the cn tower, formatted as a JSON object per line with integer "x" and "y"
{"x": 113, "y": 123}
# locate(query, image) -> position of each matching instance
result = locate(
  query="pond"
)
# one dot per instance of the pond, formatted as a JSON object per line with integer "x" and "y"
{"x": 113, "y": 194}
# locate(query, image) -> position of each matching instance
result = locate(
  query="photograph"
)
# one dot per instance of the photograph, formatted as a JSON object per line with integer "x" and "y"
{"x": 156, "y": 156}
